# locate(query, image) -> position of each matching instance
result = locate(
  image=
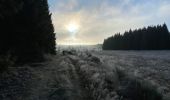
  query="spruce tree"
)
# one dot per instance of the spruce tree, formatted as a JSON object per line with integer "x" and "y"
{"x": 26, "y": 30}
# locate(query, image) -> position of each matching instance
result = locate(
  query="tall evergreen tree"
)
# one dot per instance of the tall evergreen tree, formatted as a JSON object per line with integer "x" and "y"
{"x": 26, "y": 30}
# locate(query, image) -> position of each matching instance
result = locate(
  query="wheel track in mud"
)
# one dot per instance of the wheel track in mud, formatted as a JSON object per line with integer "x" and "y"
{"x": 75, "y": 90}
{"x": 95, "y": 89}
{"x": 77, "y": 79}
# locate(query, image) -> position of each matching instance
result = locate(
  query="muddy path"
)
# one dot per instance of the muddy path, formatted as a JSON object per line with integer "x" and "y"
{"x": 60, "y": 81}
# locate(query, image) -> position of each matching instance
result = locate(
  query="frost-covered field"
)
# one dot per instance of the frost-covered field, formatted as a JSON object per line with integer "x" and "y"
{"x": 149, "y": 65}
{"x": 87, "y": 73}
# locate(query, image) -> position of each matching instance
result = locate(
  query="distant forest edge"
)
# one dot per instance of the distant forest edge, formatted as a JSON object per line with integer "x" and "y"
{"x": 150, "y": 38}
{"x": 26, "y": 30}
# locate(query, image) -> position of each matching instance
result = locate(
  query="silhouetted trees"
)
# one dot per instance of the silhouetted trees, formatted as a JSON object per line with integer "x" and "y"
{"x": 26, "y": 30}
{"x": 150, "y": 38}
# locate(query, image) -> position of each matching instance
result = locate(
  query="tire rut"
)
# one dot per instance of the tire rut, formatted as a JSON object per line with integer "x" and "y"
{"x": 85, "y": 94}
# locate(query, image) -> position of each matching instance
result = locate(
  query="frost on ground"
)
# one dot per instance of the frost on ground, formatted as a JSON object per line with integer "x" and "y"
{"x": 153, "y": 66}
{"x": 94, "y": 75}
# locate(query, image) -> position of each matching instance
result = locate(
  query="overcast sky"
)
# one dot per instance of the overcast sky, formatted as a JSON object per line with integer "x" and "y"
{"x": 99, "y": 19}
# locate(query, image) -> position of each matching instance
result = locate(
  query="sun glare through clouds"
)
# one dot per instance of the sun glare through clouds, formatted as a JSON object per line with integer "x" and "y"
{"x": 72, "y": 27}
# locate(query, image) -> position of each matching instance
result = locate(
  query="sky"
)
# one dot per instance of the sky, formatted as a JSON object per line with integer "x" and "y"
{"x": 88, "y": 22}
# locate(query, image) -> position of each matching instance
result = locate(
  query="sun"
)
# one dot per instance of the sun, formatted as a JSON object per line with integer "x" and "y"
{"x": 72, "y": 27}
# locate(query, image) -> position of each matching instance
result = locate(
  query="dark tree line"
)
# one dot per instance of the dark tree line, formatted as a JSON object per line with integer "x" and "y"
{"x": 150, "y": 38}
{"x": 26, "y": 30}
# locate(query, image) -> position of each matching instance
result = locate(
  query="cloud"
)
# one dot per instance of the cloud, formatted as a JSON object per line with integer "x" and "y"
{"x": 99, "y": 19}
{"x": 164, "y": 10}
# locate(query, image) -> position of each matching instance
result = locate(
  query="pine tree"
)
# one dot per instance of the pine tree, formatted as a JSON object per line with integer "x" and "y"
{"x": 26, "y": 30}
